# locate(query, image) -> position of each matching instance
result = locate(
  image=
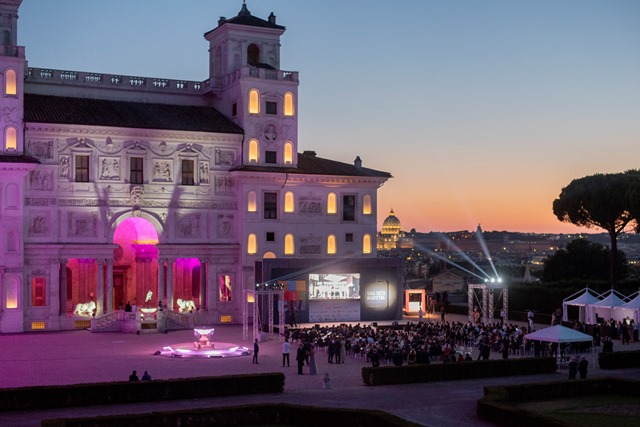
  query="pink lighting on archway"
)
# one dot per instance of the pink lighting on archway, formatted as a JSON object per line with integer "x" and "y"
{"x": 136, "y": 231}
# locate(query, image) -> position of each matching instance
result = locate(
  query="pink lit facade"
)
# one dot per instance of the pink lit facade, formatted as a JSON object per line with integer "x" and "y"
{"x": 117, "y": 189}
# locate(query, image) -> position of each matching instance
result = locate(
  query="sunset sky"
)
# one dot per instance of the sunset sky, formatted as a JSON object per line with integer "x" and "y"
{"x": 481, "y": 110}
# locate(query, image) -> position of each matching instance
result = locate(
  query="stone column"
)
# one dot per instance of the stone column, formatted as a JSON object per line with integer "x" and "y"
{"x": 100, "y": 287}
{"x": 54, "y": 288}
{"x": 204, "y": 264}
{"x": 170, "y": 263}
{"x": 62, "y": 310}
{"x": 161, "y": 262}
{"x": 109, "y": 296}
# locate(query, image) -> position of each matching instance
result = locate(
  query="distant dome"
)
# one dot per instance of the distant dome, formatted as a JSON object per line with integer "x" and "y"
{"x": 391, "y": 225}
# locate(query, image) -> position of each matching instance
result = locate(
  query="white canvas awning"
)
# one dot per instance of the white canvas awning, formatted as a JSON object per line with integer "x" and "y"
{"x": 587, "y": 297}
{"x": 559, "y": 334}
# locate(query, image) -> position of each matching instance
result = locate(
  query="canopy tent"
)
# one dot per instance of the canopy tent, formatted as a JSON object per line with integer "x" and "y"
{"x": 605, "y": 307}
{"x": 587, "y": 298}
{"x": 562, "y": 335}
{"x": 632, "y": 308}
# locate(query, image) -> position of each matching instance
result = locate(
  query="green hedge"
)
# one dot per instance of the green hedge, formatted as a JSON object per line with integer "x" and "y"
{"x": 258, "y": 414}
{"x": 619, "y": 360}
{"x": 23, "y": 398}
{"x": 498, "y": 404}
{"x": 386, "y": 375}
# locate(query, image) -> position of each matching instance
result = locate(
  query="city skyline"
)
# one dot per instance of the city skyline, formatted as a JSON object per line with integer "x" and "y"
{"x": 482, "y": 111}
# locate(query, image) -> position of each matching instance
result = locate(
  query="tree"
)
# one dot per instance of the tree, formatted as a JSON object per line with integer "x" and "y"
{"x": 601, "y": 200}
{"x": 584, "y": 260}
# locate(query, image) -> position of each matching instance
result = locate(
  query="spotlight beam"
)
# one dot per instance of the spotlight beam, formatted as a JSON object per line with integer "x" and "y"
{"x": 461, "y": 253}
{"x": 485, "y": 250}
{"x": 448, "y": 261}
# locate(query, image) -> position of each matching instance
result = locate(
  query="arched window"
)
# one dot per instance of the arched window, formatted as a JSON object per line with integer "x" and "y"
{"x": 253, "y": 54}
{"x": 289, "y": 202}
{"x": 253, "y": 151}
{"x": 331, "y": 244}
{"x": 366, "y": 244}
{"x": 269, "y": 255}
{"x": 289, "y": 248}
{"x": 254, "y": 101}
{"x": 252, "y": 202}
{"x": 12, "y": 293}
{"x": 10, "y": 139}
{"x": 366, "y": 204}
{"x": 288, "y": 153}
{"x": 332, "y": 207}
{"x": 10, "y": 82}
{"x": 288, "y": 104}
{"x": 252, "y": 245}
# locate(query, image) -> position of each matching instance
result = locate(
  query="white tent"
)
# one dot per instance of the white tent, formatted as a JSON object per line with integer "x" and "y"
{"x": 562, "y": 335}
{"x": 587, "y": 298}
{"x": 605, "y": 307}
{"x": 631, "y": 309}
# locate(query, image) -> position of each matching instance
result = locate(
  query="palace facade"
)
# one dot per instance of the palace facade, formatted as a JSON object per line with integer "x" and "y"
{"x": 119, "y": 189}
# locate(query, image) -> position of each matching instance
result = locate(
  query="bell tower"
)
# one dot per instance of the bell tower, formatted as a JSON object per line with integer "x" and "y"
{"x": 251, "y": 89}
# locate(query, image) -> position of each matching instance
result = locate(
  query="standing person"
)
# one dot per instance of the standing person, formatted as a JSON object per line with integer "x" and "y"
{"x": 256, "y": 350}
{"x": 134, "y": 376}
{"x": 375, "y": 358}
{"x": 326, "y": 382}
{"x": 286, "y": 349}
{"x": 331, "y": 350}
{"x": 573, "y": 368}
{"x": 582, "y": 368}
{"x": 503, "y": 316}
{"x": 300, "y": 358}
{"x": 420, "y": 314}
{"x": 313, "y": 367}
{"x": 343, "y": 349}
{"x": 442, "y": 313}
{"x": 530, "y": 318}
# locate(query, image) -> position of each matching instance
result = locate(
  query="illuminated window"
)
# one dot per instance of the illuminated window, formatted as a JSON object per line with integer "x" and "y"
{"x": 366, "y": 244}
{"x": 366, "y": 204}
{"x": 288, "y": 244}
{"x": 82, "y": 168}
{"x": 252, "y": 204}
{"x": 269, "y": 255}
{"x": 188, "y": 172}
{"x": 10, "y": 139}
{"x": 349, "y": 207}
{"x": 254, "y": 101}
{"x": 288, "y": 202}
{"x": 252, "y": 245}
{"x": 136, "y": 175}
{"x": 288, "y": 153}
{"x": 225, "y": 288}
{"x": 288, "y": 104}
{"x": 270, "y": 205}
{"x": 331, "y": 204}
{"x": 331, "y": 244}
{"x": 253, "y": 151}
{"x": 12, "y": 294}
{"x": 38, "y": 291}
{"x": 10, "y": 82}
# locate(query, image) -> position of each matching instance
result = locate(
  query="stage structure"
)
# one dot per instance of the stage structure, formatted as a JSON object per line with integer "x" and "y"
{"x": 489, "y": 301}
{"x": 263, "y": 299}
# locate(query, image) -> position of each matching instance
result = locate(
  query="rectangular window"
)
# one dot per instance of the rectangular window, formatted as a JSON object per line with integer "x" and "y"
{"x": 271, "y": 107}
{"x": 270, "y": 205}
{"x": 82, "y": 168}
{"x": 270, "y": 157}
{"x": 225, "y": 288}
{"x": 187, "y": 172}
{"x": 271, "y": 236}
{"x": 349, "y": 208}
{"x": 348, "y": 237}
{"x": 136, "y": 175}
{"x": 234, "y": 109}
{"x": 38, "y": 287}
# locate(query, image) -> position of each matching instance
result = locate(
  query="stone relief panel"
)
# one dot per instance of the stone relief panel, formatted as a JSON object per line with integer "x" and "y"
{"x": 137, "y": 191}
{"x": 162, "y": 170}
{"x": 204, "y": 172}
{"x": 225, "y": 184}
{"x": 42, "y": 150}
{"x": 310, "y": 205}
{"x": 270, "y": 132}
{"x": 41, "y": 180}
{"x": 7, "y": 115}
{"x": 310, "y": 245}
{"x": 82, "y": 224}
{"x": 64, "y": 163}
{"x": 224, "y": 157}
{"x": 39, "y": 224}
{"x": 188, "y": 226}
{"x": 109, "y": 168}
{"x": 225, "y": 226}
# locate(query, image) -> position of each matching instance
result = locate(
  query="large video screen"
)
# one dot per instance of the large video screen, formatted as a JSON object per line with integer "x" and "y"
{"x": 334, "y": 286}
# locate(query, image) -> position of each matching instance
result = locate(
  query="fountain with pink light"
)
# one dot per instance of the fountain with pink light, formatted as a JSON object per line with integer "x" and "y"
{"x": 203, "y": 346}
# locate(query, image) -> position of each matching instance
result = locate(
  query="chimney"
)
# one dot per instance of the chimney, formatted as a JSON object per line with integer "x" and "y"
{"x": 358, "y": 163}
{"x": 272, "y": 19}
{"x": 309, "y": 153}
{"x": 221, "y": 20}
